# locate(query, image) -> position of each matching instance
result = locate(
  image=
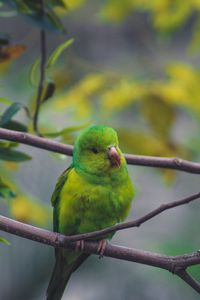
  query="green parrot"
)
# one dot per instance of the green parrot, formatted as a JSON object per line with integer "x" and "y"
{"x": 93, "y": 193}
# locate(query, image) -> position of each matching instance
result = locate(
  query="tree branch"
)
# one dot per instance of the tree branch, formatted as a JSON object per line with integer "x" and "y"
{"x": 42, "y": 73}
{"x": 174, "y": 264}
{"x": 140, "y": 160}
{"x": 189, "y": 280}
{"x": 133, "y": 223}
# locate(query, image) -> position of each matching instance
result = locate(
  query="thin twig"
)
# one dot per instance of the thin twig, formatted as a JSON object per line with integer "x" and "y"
{"x": 174, "y": 264}
{"x": 140, "y": 160}
{"x": 189, "y": 280}
{"x": 42, "y": 73}
{"x": 99, "y": 233}
{"x": 134, "y": 223}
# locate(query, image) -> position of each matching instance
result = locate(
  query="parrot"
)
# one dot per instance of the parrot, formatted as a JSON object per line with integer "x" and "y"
{"x": 93, "y": 193}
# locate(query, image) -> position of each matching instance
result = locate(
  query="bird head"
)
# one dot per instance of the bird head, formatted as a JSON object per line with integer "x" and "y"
{"x": 96, "y": 151}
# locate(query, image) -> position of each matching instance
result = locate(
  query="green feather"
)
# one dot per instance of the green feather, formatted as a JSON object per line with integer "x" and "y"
{"x": 93, "y": 193}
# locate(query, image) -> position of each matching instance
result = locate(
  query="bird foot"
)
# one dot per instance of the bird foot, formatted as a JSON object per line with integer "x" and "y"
{"x": 79, "y": 246}
{"x": 101, "y": 247}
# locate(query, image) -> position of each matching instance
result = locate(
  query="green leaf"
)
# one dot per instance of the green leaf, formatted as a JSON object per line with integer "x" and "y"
{"x": 5, "y": 191}
{"x": 5, "y": 101}
{"x": 13, "y": 155}
{"x": 58, "y": 3}
{"x": 58, "y": 51}
{"x": 33, "y": 74}
{"x": 32, "y": 10}
{"x": 4, "y": 241}
{"x": 7, "y": 144}
{"x": 10, "y": 112}
{"x": 49, "y": 91}
{"x": 15, "y": 125}
{"x": 53, "y": 22}
{"x": 67, "y": 130}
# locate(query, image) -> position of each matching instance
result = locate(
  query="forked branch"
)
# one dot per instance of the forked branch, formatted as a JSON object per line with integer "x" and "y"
{"x": 175, "y": 264}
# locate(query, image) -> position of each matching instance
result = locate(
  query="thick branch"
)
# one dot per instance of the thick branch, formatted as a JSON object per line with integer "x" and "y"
{"x": 140, "y": 160}
{"x": 175, "y": 264}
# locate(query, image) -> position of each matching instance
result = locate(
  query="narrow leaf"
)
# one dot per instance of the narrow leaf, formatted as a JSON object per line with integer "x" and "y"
{"x": 67, "y": 130}
{"x": 7, "y": 144}
{"x": 5, "y": 101}
{"x": 58, "y": 51}
{"x": 13, "y": 155}
{"x": 5, "y": 190}
{"x": 58, "y": 3}
{"x": 10, "y": 112}
{"x": 15, "y": 125}
{"x": 34, "y": 71}
{"x": 49, "y": 91}
{"x": 32, "y": 10}
{"x": 6, "y": 193}
{"x": 4, "y": 241}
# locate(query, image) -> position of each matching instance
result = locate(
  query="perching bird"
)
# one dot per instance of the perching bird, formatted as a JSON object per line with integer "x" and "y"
{"x": 93, "y": 193}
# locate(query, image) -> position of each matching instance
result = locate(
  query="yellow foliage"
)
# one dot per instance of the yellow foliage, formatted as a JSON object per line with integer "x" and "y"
{"x": 183, "y": 87}
{"x": 74, "y": 4}
{"x": 143, "y": 143}
{"x": 12, "y": 166}
{"x": 29, "y": 210}
{"x": 196, "y": 4}
{"x": 120, "y": 96}
{"x": 116, "y": 10}
{"x": 169, "y": 15}
{"x": 165, "y": 14}
{"x": 79, "y": 96}
{"x": 159, "y": 114}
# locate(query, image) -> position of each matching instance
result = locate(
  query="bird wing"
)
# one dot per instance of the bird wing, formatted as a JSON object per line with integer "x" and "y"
{"x": 62, "y": 269}
{"x": 56, "y": 195}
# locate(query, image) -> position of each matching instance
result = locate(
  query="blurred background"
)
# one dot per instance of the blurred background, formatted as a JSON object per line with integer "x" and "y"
{"x": 133, "y": 65}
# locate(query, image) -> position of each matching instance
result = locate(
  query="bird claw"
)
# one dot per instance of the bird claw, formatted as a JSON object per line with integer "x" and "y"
{"x": 101, "y": 247}
{"x": 79, "y": 246}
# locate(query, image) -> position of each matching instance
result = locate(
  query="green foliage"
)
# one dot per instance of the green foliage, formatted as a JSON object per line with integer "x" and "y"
{"x": 34, "y": 71}
{"x": 8, "y": 154}
{"x": 10, "y": 112}
{"x": 13, "y": 155}
{"x": 5, "y": 190}
{"x": 58, "y": 51}
{"x": 166, "y": 16}
{"x": 4, "y": 241}
{"x": 49, "y": 91}
{"x": 5, "y": 101}
{"x": 66, "y": 132}
{"x": 28, "y": 209}
{"x": 33, "y": 11}
{"x": 15, "y": 125}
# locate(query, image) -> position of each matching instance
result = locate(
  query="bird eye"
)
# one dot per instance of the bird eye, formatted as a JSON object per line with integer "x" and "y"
{"x": 94, "y": 150}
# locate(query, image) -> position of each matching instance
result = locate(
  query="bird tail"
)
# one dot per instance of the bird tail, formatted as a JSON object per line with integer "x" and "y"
{"x": 61, "y": 275}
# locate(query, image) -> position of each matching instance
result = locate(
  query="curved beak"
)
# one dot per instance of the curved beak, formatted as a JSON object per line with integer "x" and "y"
{"x": 114, "y": 156}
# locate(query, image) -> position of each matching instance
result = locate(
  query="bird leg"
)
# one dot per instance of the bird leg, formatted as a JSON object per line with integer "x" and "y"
{"x": 79, "y": 246}
{"x": 101, "y": 247}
